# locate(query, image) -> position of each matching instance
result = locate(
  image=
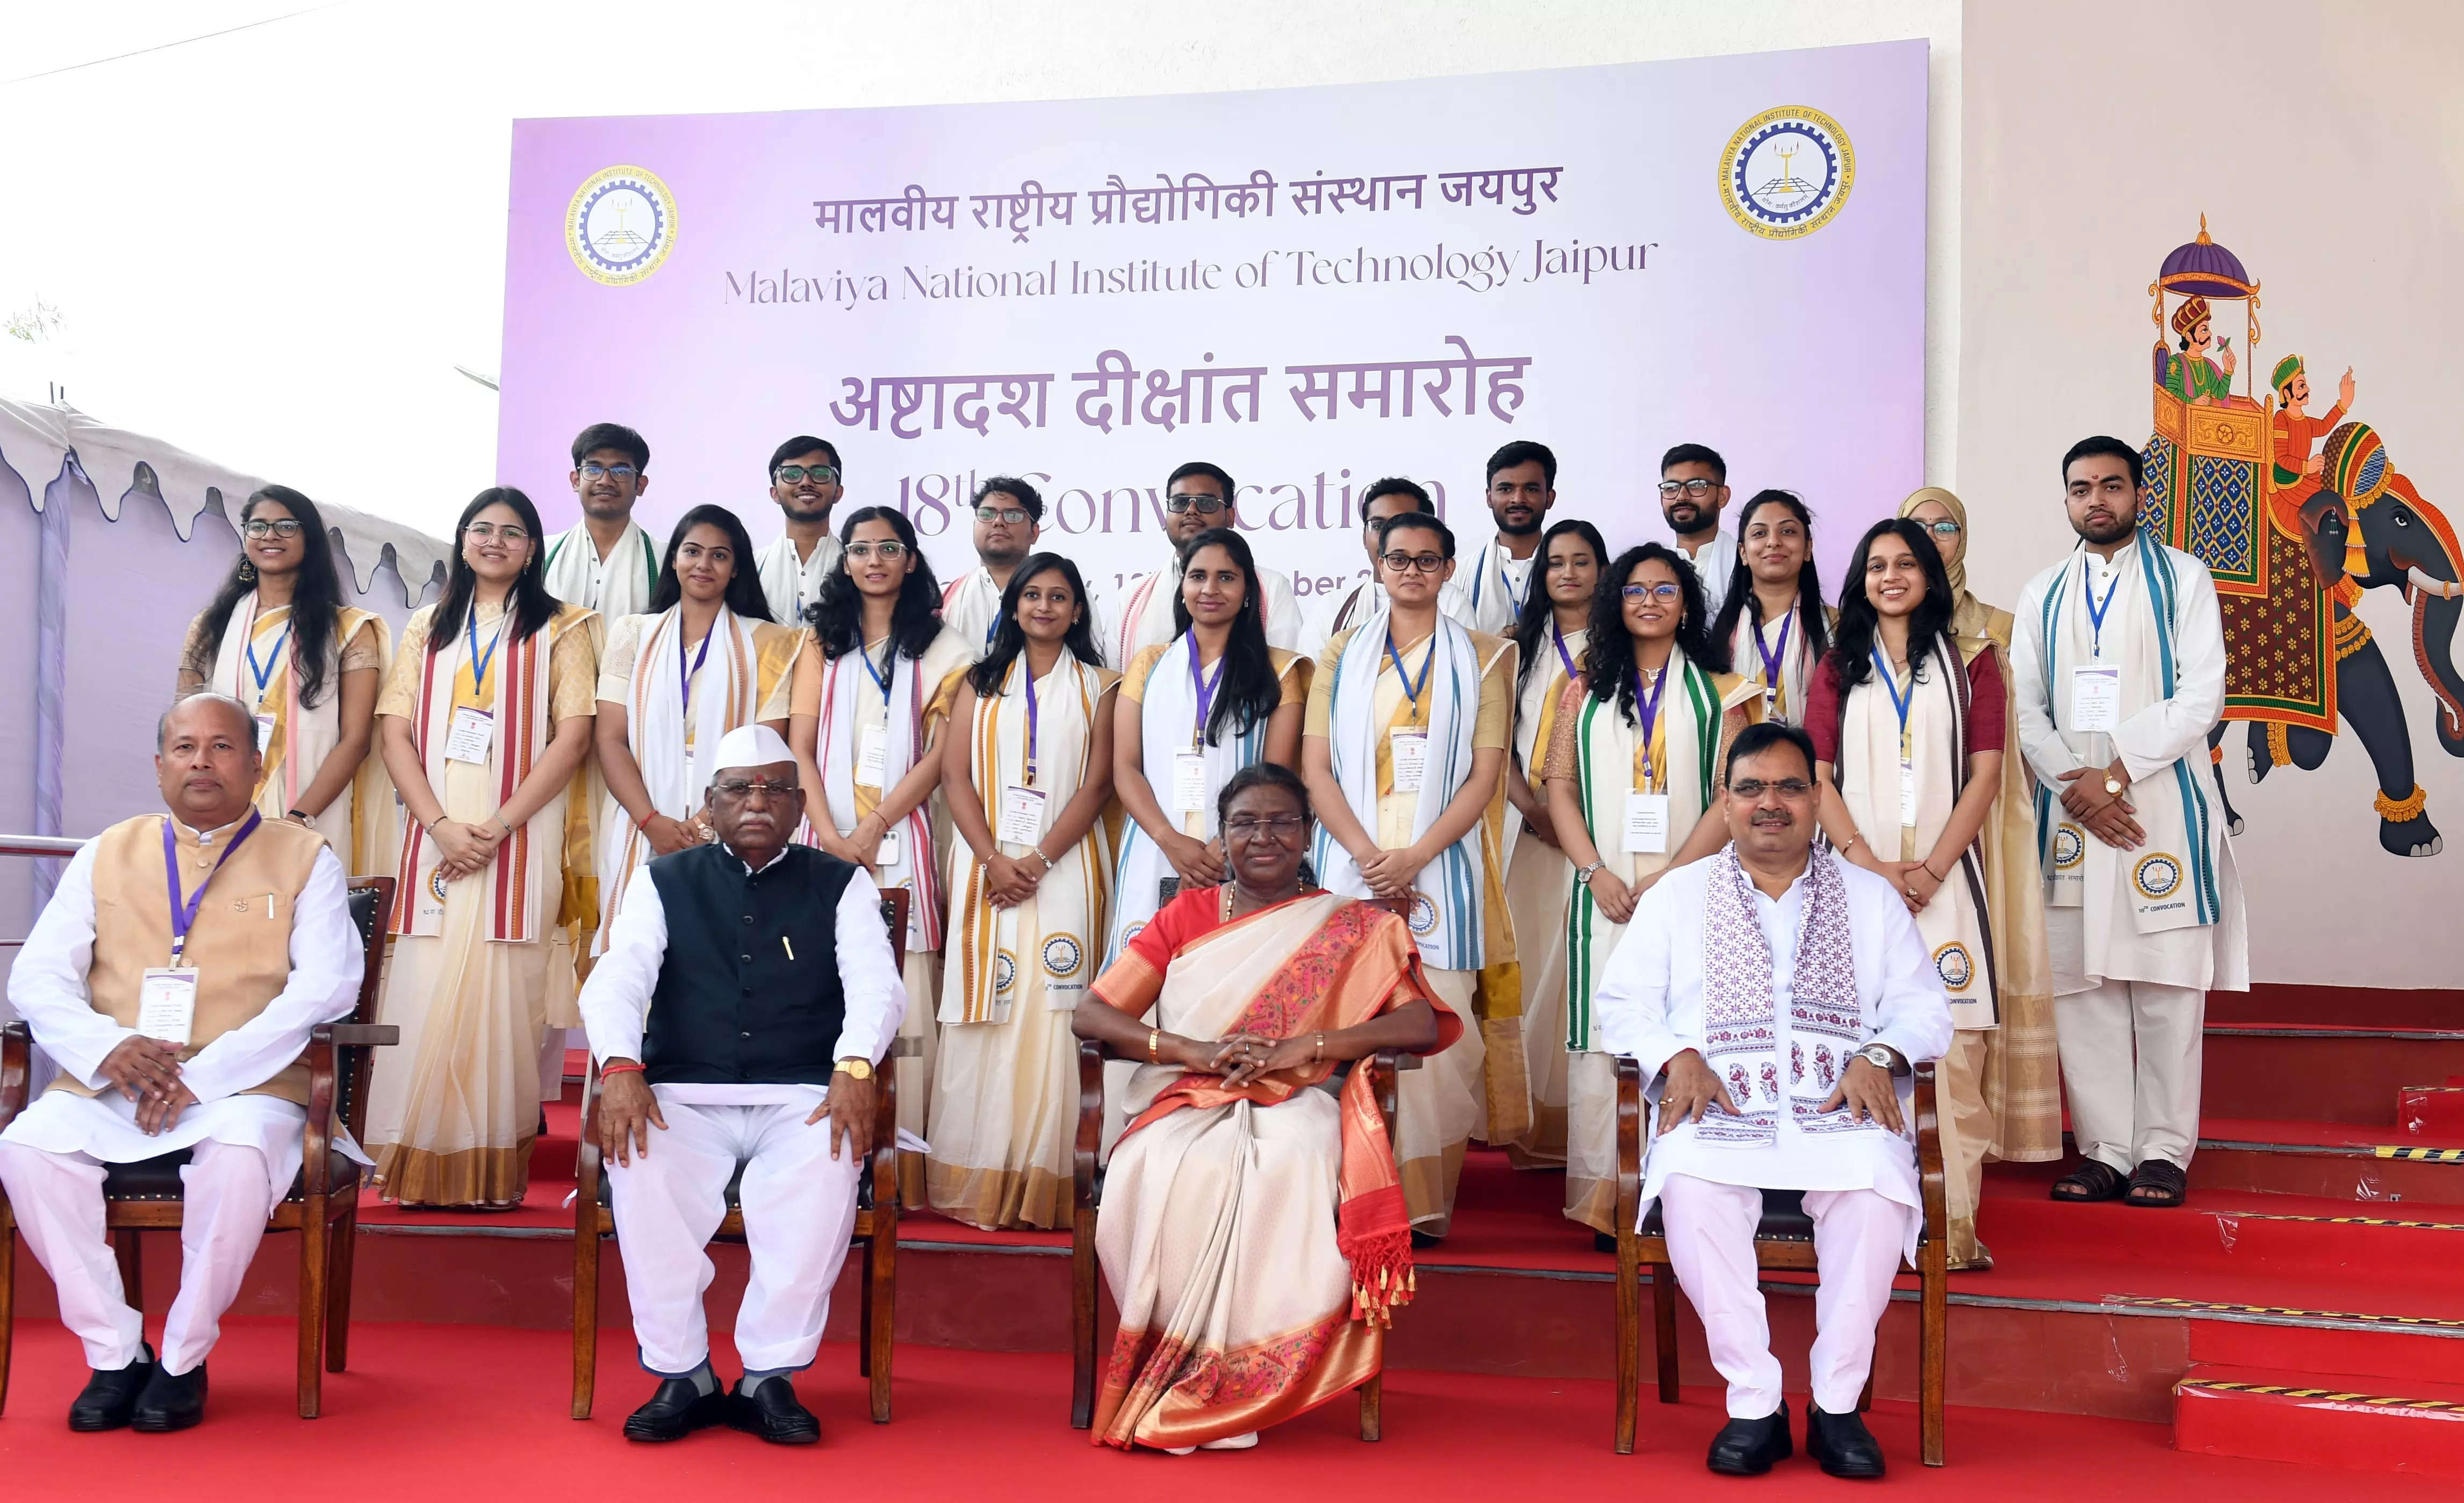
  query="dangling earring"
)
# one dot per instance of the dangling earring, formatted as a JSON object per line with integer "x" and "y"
{"x": 246, "y": 571}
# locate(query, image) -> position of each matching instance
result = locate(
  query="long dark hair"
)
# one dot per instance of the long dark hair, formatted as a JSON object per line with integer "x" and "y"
{"x": 744, "y": 594}
{"x": 1248, "y": 690}
{"x": 1608, "y": 653}
{"x": 1810, "y": 622}
{"x": 532, "y": 606}
{"x": 836, "y": 614}
{"x": 1852, "y": 645}
{"x": 316, "y": 594}
{"x": 1531, "y": 627}
{"x": 1009, "y": 638}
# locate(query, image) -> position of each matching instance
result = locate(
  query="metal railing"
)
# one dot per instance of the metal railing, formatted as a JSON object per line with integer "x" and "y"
{"x": 38, "y": 846}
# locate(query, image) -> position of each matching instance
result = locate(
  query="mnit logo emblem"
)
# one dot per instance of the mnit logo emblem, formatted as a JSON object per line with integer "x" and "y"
{"x": 1787, "y": 171}
{"x": 620, "y": 226}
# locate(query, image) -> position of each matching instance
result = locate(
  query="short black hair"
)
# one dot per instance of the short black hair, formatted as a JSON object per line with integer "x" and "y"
{"x": 1213, "y": 472}
{"x": 1696, "y": 454}
{"x": 2107, "y": 444}
{"x": 1426, "y": 522}
{"x": 612, "y": 435}
{"x": 1761, "y": 736}
{"x": 1028, "y": 497}
{"x": 804, "y": 444}
{"x": 1524, "y": 451}
{"x": 1396, "y": 485}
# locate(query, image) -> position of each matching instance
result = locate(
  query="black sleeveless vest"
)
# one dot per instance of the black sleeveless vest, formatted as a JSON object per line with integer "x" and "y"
{"x": 749, "y": 992}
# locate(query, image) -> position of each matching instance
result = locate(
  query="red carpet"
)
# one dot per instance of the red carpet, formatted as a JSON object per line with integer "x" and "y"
{"x": 479, "y": 1412}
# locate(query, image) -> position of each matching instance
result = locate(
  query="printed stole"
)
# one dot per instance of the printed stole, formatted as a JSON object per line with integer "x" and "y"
{"x": 303, "y": 737}
{"x": 1167, "y": 713}
{"x": 836, "y": 746}
{"x": 1741, "y": 1015}
{"x": 2180, "y": 828}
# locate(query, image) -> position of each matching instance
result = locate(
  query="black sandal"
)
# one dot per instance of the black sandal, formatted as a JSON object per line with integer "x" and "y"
{"x": 2093, "y": 1181}
{"x": 2158, "y": 1184}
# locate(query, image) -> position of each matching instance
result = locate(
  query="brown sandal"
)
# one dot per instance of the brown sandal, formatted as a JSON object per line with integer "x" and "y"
{"x": 2092, "y": 1180}
{"x": 2159, "y": 1183}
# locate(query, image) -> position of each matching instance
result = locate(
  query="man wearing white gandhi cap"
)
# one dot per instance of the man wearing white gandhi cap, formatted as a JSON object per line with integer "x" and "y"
{"x": 747, "y": 993}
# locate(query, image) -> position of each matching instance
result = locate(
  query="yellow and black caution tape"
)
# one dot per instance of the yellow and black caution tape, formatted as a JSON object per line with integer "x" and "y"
{"x": 2420, "y": 1155}
{"x": 2227, "y": 1308}
{"x": 2330, "y": 1395}
{"x": 2342, "y": 1220}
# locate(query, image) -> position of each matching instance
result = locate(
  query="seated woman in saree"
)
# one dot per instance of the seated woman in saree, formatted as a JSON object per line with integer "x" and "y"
{"x": 1243, "y": 1304}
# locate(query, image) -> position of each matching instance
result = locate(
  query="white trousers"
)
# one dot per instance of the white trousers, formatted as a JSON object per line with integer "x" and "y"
{"x": 2130, "y": 1065}
{"x": 1858, "y": 1235}
{"x": 57, "y": 1197}
{"x": 799, "y": 1208}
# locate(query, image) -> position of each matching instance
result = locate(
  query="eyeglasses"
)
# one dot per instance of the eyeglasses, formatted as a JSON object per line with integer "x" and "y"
{"x": 1756, "y": 788}
{"x": 1669, "y": 591}
{"x": 1944, "y": 528}
{"x": 1399, "y": 563}
{"x": 1206, "y": 505}
{"x": 608, "y": 471}
{"x": 739, "y": 789}
{"x": 796, "y": 473}
{"x": 1012, "y": 515}
{"x": 887, "y": 550}
{"x": 258, "y": 528}
{"x": 509, "y": 532}
{"x": 1670, "y": 490}
{"x": 1279, "y": 828}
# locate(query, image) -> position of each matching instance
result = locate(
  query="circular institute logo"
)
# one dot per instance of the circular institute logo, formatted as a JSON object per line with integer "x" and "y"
{"x": 436, "y": 883}
{"x": 1953, "y": 964}
{"x": 2157, "y": 876}
{"x": 1787, "y": 171}
{"x": 621, "y": 225}
{"x": 1423, "y": 917}
{"x": 1004, "y": 970}
{"x": 1061, "y": 956}
{"x": 2070, "y": 847}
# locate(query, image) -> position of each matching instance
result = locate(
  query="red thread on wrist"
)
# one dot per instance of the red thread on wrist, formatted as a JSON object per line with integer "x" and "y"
{"x": 605, "y": 1071}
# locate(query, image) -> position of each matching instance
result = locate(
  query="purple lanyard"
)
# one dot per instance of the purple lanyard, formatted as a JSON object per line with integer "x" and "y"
{"x": 686, "y": 675}
{"x": 1772, "y": 656}
{"x": 1027, "y": 670}
{"x": 185, "y": 913}
{"x": 1205, "y": 689}
{"x": 1649, "y": 710}
{"x": 1563, "y": 657}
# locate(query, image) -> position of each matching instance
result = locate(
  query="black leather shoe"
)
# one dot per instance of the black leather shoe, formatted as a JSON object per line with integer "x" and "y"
{"x": 110, "y": 1397}
{"x": 170, "y": 1404}
{"x": 771, "y": 1411}
{"x": 675, "y": 1411}
{"x": 1747, "y": 1448}
{"x": 1842, "y": 1443}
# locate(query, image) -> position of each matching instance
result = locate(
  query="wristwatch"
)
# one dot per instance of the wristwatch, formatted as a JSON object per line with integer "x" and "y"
{"x": 1583, "y": 874}
{"x": 1883, "y": 1057}
{"x": 2112, "y": 786}
{"x": 857, "y": 1069}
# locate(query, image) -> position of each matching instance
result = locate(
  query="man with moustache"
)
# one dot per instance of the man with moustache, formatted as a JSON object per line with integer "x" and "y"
{"x": 1009, "y": 516}
{"x": 1197, "y": 495}
{"x": 2118, "y": 668}
{"x": 805, "y": 480}
{"x": 1521, "y": 487}
{"x": 1693, "y": 491}
{"x": 1781, "y": 997}
{"x": 605, "y": 562}
{"x": 1392, "y": 496}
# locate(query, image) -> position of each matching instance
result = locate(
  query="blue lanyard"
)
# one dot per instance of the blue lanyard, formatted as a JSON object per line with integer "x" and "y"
{"x": 1898, "y": 701}
{"x": 686, "y": 675}
{"x": 1648, "y": 709}
{"x": 2097, "y": 609}
{"x": 478, "y": 663}
{"x": 184, "y": 912}
{"x": 1205, "y": 689}
{"x": 1563, "y": 657}
{"x": 1506, "y": 584}
{"x": 1773, "y": 656}
{"x": 884, "y": 676}
{"x": 1410, "y": 688}
{"x": 272, "y": 659}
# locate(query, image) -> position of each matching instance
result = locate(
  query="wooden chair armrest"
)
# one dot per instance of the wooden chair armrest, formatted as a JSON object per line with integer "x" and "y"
{"x": 16, "y": 1062}
{"x": 1629, "y": 1143}
{"x": 586, "y": 1165}
{"x": 885, "y": 1132}
{"x": 1091, "y": 1123}
{"x": 904, "y": 1048}
{"x": 1929, "y": 1174}
{"x": 356, "y": 1035}
{"x": 1382, "y": 1067}
{"x": 315, "y": 1164}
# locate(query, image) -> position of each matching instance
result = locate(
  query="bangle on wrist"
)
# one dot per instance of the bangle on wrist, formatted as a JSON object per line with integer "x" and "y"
{"x": 1154, "y": 1046}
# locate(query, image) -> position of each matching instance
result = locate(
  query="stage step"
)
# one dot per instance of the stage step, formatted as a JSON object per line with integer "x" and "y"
{"x": 2339, "y": 1006}
{"x": 2362, "y": 1162}
{"x": 2425, "y": 1112}
{"x": 2317, "y": 1072}
{"x": 2321, "y": 1418}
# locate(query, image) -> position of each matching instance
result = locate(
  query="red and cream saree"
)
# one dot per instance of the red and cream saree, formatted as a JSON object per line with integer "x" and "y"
{"x": 1243, "y": 1301}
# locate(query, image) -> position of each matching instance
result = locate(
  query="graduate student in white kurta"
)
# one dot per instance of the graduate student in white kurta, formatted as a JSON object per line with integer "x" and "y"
{"x": 2118, "y": 670}
{"x": 1349, "y": 609}
{"x": 805, "y": 481}
{"x": 1197, "y": 497}
{"x": 1008, "y": 519}
{"x": 1786, "y": 995}
{"x": 1772, "y": 621}
{"x": 1522, "y": 485}
{"x": 605, "y": 562}
{"x": 1693, "y": 491}
{"x": 737, "y": 1015}
{"x": 264, "y": 926}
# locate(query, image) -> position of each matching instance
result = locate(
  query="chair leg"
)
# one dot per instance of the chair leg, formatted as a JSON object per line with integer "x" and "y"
{"x": 316, "y": 1243}
{"x": 1082, "y": 1320}
{"x": 863, "y": 1318}
{"x": 8, "y": 1305}
{"x": 881, "y": 1311}
{"x": 345, "y": 1235}
{"x": 1373, "y": 1408}
{"x": 1664, "y": 1327}
{"x": 1934, "y": 1327}
{"x": 1629, "y": 1345}
{"x": 586, "y": 1314}
{"x": 128, "y": 1245}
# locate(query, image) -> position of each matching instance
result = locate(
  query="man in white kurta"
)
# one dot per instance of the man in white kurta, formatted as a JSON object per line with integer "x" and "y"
{"x": 606, "y": 561}
{"x": 1008, "y": 519}
{"x": 805, "y": 481}
{"x": 1522, "y": 485}
{"x": 1197, "y": 497}
{"x": 274, "y": 955}
{"x": 1391, "y": 496}
{"x": 1693, "y": 493}
{"x": 1782, "y": 990}
{"x": 747, "y": 993}
{"x": 2117, "y": 672}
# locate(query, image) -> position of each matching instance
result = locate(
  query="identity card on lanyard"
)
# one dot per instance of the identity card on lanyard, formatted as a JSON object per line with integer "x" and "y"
{"x": 1646, "y": 805}
{"x": 872, "y": 744}
{"x": 475, "y": 730}
{"x": 1409, "y": 745}
{"x": 1021, "y": 808}
{"x": 2096, "y": 686}
{"x": 1189, "y": 767}
{"x": 1902, "y": 703}
{"x": 166, "y": 995}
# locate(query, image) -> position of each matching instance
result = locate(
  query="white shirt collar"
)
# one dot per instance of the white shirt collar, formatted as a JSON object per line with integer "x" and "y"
{"x": 752, "y": 870}
{"x": 206, "y": 838}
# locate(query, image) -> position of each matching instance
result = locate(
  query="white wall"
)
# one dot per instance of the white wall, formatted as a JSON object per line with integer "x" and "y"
{"x": 272, "y": 246}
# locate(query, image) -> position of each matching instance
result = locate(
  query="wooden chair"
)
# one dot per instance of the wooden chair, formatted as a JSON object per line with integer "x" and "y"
{"x": 324, "y": 1202}
{"x": 1087, "y": 1187}
{"x": 875, "y": 1235}
{"x": 1785, "y": 1240}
